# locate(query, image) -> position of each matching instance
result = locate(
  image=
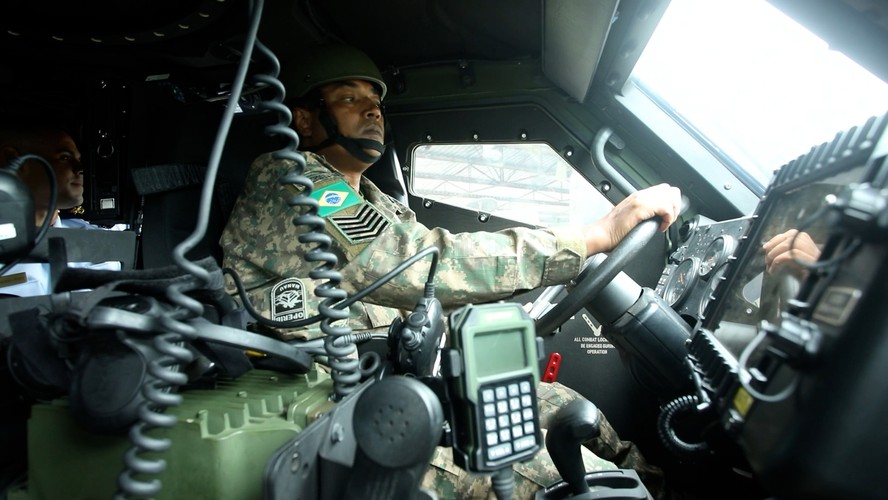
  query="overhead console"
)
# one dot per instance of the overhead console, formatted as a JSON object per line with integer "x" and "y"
{"x": 792, "y": 357}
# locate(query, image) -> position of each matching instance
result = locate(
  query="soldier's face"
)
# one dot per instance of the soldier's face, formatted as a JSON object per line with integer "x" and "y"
{"x": 60, "y": 151}
{"x": 356, "y": 107}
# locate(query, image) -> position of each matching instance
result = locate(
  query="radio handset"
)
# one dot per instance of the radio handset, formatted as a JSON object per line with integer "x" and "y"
{"x": 492, "y": 370}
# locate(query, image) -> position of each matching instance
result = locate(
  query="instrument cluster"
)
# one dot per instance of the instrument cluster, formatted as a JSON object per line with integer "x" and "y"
{"x": 690, "y": 279}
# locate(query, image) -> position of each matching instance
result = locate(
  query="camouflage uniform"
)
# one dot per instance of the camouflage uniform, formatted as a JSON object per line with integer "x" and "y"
{"x": 372, "y": 234}
{"x": 371, "y": 237}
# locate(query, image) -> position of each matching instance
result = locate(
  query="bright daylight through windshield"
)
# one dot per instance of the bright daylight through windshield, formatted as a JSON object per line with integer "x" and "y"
{"x": 755, "y": 83}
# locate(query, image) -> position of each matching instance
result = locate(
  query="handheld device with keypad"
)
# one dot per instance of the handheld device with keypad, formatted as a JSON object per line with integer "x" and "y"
{"x": 492, "y": 370}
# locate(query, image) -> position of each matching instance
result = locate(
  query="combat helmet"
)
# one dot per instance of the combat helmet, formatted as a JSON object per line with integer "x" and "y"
{"x": 322, "y": 64}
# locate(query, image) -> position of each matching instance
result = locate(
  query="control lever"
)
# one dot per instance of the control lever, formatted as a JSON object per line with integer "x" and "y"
{"x": 574, "y": 424}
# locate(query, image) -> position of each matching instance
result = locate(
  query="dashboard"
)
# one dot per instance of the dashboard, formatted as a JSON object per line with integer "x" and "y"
{"x": 697, "y": 267}
{"x": 790, "y": 359}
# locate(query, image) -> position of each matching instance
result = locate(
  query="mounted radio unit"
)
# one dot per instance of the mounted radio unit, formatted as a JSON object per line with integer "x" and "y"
{"x": 792, "y": 358}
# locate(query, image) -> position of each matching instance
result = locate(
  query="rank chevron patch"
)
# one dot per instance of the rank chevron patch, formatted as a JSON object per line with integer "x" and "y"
{"x": 364, "y": 225}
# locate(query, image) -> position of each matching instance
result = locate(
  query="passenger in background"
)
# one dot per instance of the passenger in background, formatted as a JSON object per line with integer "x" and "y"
{"x": 57, "y": 147}
{"x": 19, "y": 137}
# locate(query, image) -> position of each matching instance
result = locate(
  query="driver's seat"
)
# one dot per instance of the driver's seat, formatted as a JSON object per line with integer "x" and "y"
{"x": 387, "y": 175}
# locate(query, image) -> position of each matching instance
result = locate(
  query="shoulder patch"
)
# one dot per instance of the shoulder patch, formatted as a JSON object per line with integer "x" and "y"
{"x": 287, "y": 300}
{"x": 364, "y": 225}
{"x": 335, "y": 197}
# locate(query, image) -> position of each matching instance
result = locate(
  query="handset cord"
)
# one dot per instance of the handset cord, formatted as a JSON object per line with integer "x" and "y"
{"x": 136, "y": 478}
{"x": 428, "y": 291}
{"x": 345, "y": 367}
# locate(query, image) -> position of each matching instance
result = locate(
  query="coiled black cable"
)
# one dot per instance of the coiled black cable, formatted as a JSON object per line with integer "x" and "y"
{"x": 159, "y": 394}
{"x": 346, "y": 372}
{"x": 666, "y": 429}
{"x": 503, "y": 483}
{"x": 428, "y": 290}
{"x": 166, "y": 370}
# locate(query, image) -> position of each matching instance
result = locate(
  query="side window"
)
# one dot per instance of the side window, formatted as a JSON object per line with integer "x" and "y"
{"x": 525, "y": 182}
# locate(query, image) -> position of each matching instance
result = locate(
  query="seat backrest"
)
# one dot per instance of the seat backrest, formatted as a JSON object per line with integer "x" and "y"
{"x": 168, "y": 218}
{"x": 91, "y": 246}
{"x": 172, "y": 193}
{"x": 387, "y": 175}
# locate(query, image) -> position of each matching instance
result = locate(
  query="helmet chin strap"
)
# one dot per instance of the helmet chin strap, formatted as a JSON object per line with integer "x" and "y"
{"x": 355, "y": 147}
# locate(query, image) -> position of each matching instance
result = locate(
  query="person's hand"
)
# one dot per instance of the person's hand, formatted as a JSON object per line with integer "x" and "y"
{"x": 782, "y": 248}
{"x": 663, "y": 200}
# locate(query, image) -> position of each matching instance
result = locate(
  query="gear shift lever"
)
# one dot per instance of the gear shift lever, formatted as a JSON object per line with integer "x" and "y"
{"x": 574, "y": 424}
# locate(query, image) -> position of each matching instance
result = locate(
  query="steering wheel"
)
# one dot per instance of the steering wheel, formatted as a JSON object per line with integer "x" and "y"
{"x": 593, "y": 279}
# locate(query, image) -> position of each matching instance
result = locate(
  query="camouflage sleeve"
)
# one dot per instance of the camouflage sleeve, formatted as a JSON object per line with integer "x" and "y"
{"x": 261, "y": 242}
{"x": 473, "y": 267}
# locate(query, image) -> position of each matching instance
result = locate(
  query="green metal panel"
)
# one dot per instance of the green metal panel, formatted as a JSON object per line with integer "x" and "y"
{"x": 220, "y": 445}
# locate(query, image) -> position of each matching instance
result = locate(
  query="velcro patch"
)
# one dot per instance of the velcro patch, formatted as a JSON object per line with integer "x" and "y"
{"x": 287, "y": 299}
{"x": 364, "y": 225}
{"x": 334, "y": 198}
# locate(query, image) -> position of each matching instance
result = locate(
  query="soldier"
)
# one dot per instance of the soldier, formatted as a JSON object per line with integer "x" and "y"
{"x": 25, "y": 136}
{"x": 59, "y": 149}
{"x": 336, "y": 95}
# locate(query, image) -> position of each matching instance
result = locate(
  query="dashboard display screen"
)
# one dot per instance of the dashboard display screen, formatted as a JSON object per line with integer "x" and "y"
{"x": 766, "y": 276}
{"x": 793, "y": 214}
{"x": 757, "y": 292}
{"x": 503, "y": 352}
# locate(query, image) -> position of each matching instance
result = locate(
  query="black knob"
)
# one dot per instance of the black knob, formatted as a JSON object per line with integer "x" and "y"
{"x": 574, "y": 424}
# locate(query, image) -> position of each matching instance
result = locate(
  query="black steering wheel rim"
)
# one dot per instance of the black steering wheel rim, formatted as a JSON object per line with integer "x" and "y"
{"x": 591, "y": 280}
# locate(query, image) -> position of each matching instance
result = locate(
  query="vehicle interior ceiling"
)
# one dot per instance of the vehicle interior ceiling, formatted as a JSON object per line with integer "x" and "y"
{"x": 144, "y": 84}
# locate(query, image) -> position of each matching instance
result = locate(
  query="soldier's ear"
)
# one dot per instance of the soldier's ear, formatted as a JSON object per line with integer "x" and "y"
{"x": 302, "y": 119}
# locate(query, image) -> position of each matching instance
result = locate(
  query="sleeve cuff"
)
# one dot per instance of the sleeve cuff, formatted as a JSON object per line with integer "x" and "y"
{"x": 567, "y": 261}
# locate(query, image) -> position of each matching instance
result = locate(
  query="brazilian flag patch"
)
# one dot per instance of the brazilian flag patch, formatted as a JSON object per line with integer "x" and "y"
{"x": 335, "y": 197}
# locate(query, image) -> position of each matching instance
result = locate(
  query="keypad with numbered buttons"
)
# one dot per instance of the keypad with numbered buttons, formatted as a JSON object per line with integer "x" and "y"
{"x": 509, "y": 414}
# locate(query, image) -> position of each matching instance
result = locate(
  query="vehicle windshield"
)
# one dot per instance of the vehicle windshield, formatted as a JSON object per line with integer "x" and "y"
{"x": 755, "y": 87}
